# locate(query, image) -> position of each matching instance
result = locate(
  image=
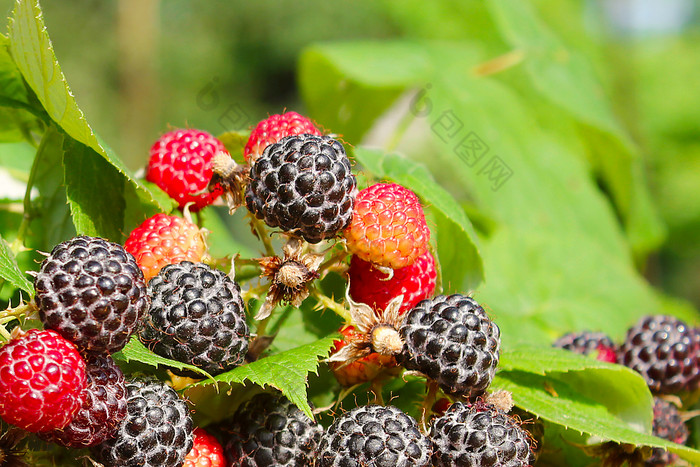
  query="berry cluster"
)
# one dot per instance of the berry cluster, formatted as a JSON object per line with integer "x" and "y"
{"x": 665, "y": 351}
{"x": 61, "y": 382}
{"x": 165, "y": 290}
{"x": 162, "y": 287}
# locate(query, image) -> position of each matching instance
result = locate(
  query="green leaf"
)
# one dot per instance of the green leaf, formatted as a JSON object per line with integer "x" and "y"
{"x": 565, "y": 76}
{"x": 10, "y": 78}
{"x": 17, "y": 159}
{"x": 557, "y": 71}
{"x": 541, "y": 287}
{"x": 235, "y": 142}
{"x": 95, "y": 192}
{"x": 16, "y": 114}
{"x": 33, "y": 54}
{"x": 330, "y": 71}
{"x": 623, "y": 391}
{"x": 602, "y": 400}
{"x": 556, "y": 258}
{"x": 465, "y": 265}
{"x": 53, "y": 223}
{"x": 220, "y": 240}
{"x": 9, "y": 270}
{"x": 287, "y": 371}
{"x": 560, "y": 400}
{"x": 135, "y": 351}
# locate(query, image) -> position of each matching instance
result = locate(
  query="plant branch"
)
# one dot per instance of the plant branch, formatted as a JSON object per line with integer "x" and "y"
{"x": 262, "y": 233}
{"x": 327, "y": 302}
{"x": 427, "y": 405}
{"x": 332, "y": 262}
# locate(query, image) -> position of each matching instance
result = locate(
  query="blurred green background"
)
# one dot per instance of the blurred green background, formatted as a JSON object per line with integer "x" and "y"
{"x": 138, "y": 67}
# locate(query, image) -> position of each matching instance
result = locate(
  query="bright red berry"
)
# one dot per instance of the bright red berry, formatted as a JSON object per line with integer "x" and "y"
{"x": 415, "y": 282}
{"x": 388, "y": 226}
{"x": 273, "y": 129}
{"x": 360, "y": 371}
{"x": 163, "y": 240}
{"x": 42, "y": 381}
{"x": 180, "y": 164}
{"x": 206, "y": 452}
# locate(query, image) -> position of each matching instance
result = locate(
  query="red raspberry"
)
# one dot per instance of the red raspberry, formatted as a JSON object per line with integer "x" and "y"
{"x": 362, "y": 370}
{"x": 273, "y": 129}
{"x": 415, "y": 282}
{"x": 388, "y": 226}
{"x": 206, "y": 452}
{"x": 180, "y": 164}
{"x": 42, "y": 381}
{"x": 163, "y": 240}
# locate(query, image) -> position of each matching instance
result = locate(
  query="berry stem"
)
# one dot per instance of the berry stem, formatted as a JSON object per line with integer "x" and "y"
{"x": 329, "y": 303}
{"x": 262, "y": 326}
{"x": 256, "y": 292}
{"x": 376, "y": 386}
{"x": 332, "y": 263}
{"x": 10, "y": 314}
{"x": 427, "y": 405}
{"x": 262, "y": 233}
{"x": 4, "y": 334}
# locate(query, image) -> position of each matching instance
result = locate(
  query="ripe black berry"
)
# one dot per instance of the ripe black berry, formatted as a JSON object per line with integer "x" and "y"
{"x": 596, "y": 344}
{"x": 303, "y": 185}
{"x": 269, "y": 430}
{"x": 197, "y": 316}
{"x": 103, "y": 410}
{"x": 665, "y": 351}
{"x": 452, "y": 341}
{"x": 669, "y": 425}
{"x": 92, "y": 292}
{"x": 157, "y": 431}
{"x": 478, "y": 435}
{"x": 374, "y": 436}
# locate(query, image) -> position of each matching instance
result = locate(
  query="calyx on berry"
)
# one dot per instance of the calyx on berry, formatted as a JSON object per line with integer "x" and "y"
{"x": 231, "y": 178}
{"x": 377, "y": 331}
{"x": 289, "y": 276}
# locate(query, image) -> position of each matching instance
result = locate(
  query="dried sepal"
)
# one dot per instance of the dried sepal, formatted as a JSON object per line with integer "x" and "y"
{"x": 289, "y": 276}
{"x": 231, "y": 177}
{"x": 11, "y": 454}
{"x": 377, "y": 331}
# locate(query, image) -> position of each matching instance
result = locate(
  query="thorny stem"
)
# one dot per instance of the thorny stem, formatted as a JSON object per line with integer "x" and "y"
{"x": 262, "y": 326}
{"x": 345, "y": 393}
{"x": 427, "y": 405}
{"x": 21, "y": 310}
{"x": 262, "y": 234}
{"x": 4, "y": 334}
{"x": 255, "y": 292}
{"x": 246, "y": 268}
{"x": 329, "y": 303}
{"x": 11, "y": 314}
{"x": 332, "y": 262}
{"x": 376, "y": 387}
{"x": 247, "y": 262}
